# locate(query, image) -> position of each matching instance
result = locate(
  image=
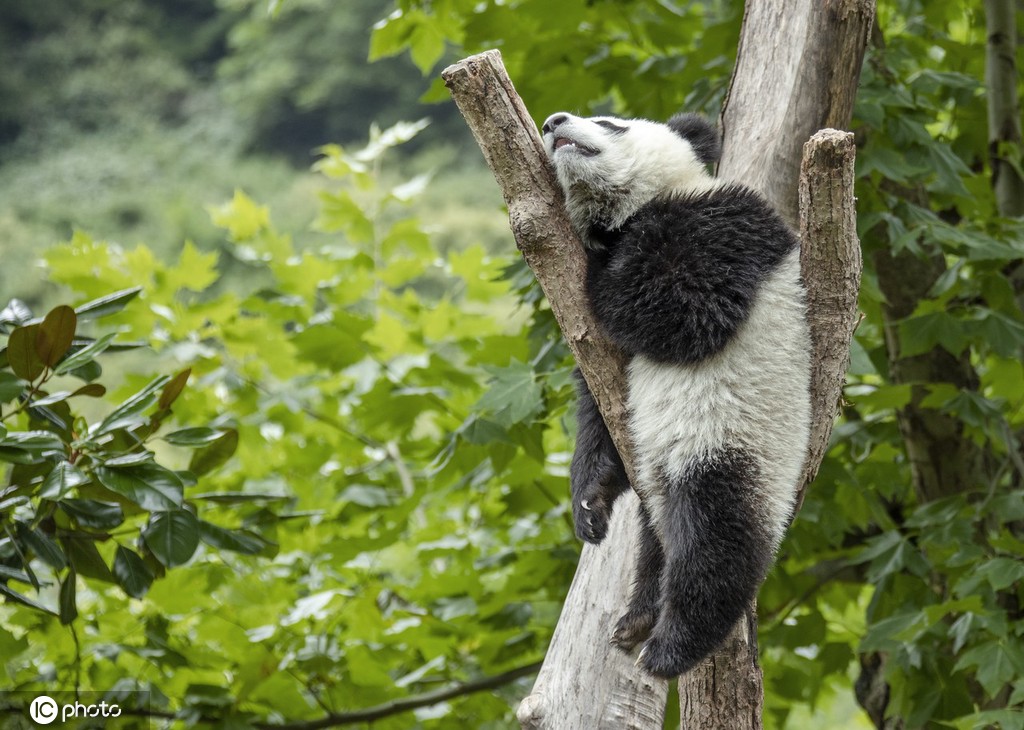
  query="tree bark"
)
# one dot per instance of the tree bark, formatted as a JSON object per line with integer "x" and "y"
{"x": 796, "y": 72}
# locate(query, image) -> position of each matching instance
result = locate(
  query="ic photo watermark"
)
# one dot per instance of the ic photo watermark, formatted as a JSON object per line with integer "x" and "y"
{"x": 82, "y": 710}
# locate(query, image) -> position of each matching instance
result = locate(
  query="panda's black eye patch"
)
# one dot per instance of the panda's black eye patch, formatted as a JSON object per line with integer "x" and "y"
{"x": 612, "y": 126}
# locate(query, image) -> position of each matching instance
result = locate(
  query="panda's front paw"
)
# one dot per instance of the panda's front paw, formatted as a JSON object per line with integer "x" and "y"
{"x": 590, "y": 515}
{"x": 634, "y": 627}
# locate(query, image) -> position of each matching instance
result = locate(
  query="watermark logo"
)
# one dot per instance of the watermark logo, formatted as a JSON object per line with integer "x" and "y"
{"x": 114, "y": 709}
{"x": 43, "y": 710}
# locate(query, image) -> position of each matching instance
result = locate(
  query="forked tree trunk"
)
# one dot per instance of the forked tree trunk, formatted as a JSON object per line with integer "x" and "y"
{"x": 584, "y": 682}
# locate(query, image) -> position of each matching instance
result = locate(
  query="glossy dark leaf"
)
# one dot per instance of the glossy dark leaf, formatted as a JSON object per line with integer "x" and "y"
{"x": 110, "y": 304}
{"x": 21, "y": 353}
{"x": 85, "y": 558}
{"x": 129, "y": 413}
{"x": 194, "y": 437}
{"x": 92, "y": 514}
{"x": 11, "y": 386}
{"x": 150, "y": 486}
{"x": 66, "y": 602}
{"x": 61, "y": 480}
{"x": 131, "y": 572}
{"x": 80, "y": 358}
{"x": 172, "y": 536}
{"x": 239, "y": 541}
{"x": 13, "y": 595}
{"x": 44, "y": 547}
{"x": 55, "y": 335}
{"x": 215, "y": 454}
{"x": 173, "y": 388}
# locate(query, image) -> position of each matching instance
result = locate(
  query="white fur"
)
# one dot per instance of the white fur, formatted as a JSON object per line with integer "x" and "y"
{"x": 754, "y": 394}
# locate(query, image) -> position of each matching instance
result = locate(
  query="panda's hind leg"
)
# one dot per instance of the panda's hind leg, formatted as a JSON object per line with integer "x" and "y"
{"x": 645, "y": 598}
{"x": 718, "y": 547}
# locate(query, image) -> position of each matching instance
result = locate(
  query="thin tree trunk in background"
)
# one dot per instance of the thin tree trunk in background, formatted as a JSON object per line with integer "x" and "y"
{"x": 1003, "y": 107}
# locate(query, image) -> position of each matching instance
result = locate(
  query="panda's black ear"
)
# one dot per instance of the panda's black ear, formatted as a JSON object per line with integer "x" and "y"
{"x": 700, "y": 133}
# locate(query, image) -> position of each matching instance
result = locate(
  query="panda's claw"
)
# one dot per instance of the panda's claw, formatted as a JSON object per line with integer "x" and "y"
{"x": 585, "y": 505}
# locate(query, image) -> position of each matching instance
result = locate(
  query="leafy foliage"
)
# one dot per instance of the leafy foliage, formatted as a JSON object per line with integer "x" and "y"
{"x": 80, "y": 488}
{"x": 410, "y": 475}
{"x": 875, "y": 566}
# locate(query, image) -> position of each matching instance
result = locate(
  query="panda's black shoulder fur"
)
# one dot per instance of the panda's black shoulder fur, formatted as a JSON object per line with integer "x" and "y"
{"x": 679, "y": 277}
{"x": 701, "y": 135}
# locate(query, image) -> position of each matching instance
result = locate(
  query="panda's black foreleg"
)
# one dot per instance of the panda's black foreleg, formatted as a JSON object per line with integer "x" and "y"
{"x": 645, "y": 598}
{"x": 718, "y": 549}
{"x": 596, "y": 475}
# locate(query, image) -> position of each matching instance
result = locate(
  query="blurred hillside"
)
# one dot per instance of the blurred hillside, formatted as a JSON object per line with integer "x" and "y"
{"x": 126, "y": 119}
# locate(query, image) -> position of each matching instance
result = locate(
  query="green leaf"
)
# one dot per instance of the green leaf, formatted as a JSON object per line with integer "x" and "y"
{"x": 173, "y": 389}
{"x": 56, "y": 334}
{"x": 92, "y": 514}
{"x": 172, "y": 536}
{"x": 11, "y": 386}
{"x": 215, "y": 454}
{"x": 239, "y": 497}
{"x": 151, "y": 486}
{"x": 1003, "y": 334}
{"x": 64, "y": 477}
{"x": 513, "y": 394}
{"x": 66, "y": 602}
{"x": 125, "y": 460}
{"x": 995, "y": 661}
{"x": 918, "y": 335}
{"x": 13, "y": 595}
{"x": 91, "y": 390}
{"x": 42, "y": 545}
{"x": 129, "y": 413}
{"x": 84, "y": 356}
{"x": 22, "y": 355}
{"x": 109, "y": 304}
{"x": 239, "y": 541}
{"x": 194, "y": 437}
{"x": 131, "y": 572}
{"x": 85, "y": 558}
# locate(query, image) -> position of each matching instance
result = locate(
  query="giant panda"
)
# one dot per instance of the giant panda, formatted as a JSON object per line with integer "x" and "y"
{"x": 698, "y": 281}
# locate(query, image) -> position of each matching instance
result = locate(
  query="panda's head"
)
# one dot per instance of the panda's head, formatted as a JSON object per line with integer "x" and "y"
{"x": 610, "y": 167}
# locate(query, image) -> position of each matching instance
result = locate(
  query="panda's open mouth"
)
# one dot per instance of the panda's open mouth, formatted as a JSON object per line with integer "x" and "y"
{"x": 561, "y": 142}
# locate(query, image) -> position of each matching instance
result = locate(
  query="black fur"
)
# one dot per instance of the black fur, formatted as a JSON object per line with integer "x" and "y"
{"x": 717, "y": 553}
{"x": 597, "y": 476}
{"x": 678, "y": 278}
{"x": 701, "y": 135}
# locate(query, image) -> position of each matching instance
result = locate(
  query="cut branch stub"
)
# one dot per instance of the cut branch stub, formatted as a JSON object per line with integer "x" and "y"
{"x": 830, "y": 263}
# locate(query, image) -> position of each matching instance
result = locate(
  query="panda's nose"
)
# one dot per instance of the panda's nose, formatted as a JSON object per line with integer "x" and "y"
{"x": 553, "y": 121}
